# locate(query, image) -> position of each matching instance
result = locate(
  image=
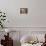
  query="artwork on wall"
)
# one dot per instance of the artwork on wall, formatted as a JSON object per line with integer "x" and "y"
{"x": 23, "y": 10}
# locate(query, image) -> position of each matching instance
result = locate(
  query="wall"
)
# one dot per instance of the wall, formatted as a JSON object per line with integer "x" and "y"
{"x": 35, "y": 20}
{"x": 36, "y": 16}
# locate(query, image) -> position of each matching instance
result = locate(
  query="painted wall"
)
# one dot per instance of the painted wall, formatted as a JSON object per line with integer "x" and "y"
{"x": 35, "y": 19}
{"x": 36, "y": 16}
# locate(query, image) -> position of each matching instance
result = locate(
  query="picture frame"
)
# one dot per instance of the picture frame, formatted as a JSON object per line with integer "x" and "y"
{"x": 23, "y": 10}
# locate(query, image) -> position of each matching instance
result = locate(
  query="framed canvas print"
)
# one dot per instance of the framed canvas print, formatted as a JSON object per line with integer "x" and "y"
{"x": 23, "y": 10}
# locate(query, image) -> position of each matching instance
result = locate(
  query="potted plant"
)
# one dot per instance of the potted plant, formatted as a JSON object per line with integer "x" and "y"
{"x": 2, "y": 19}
